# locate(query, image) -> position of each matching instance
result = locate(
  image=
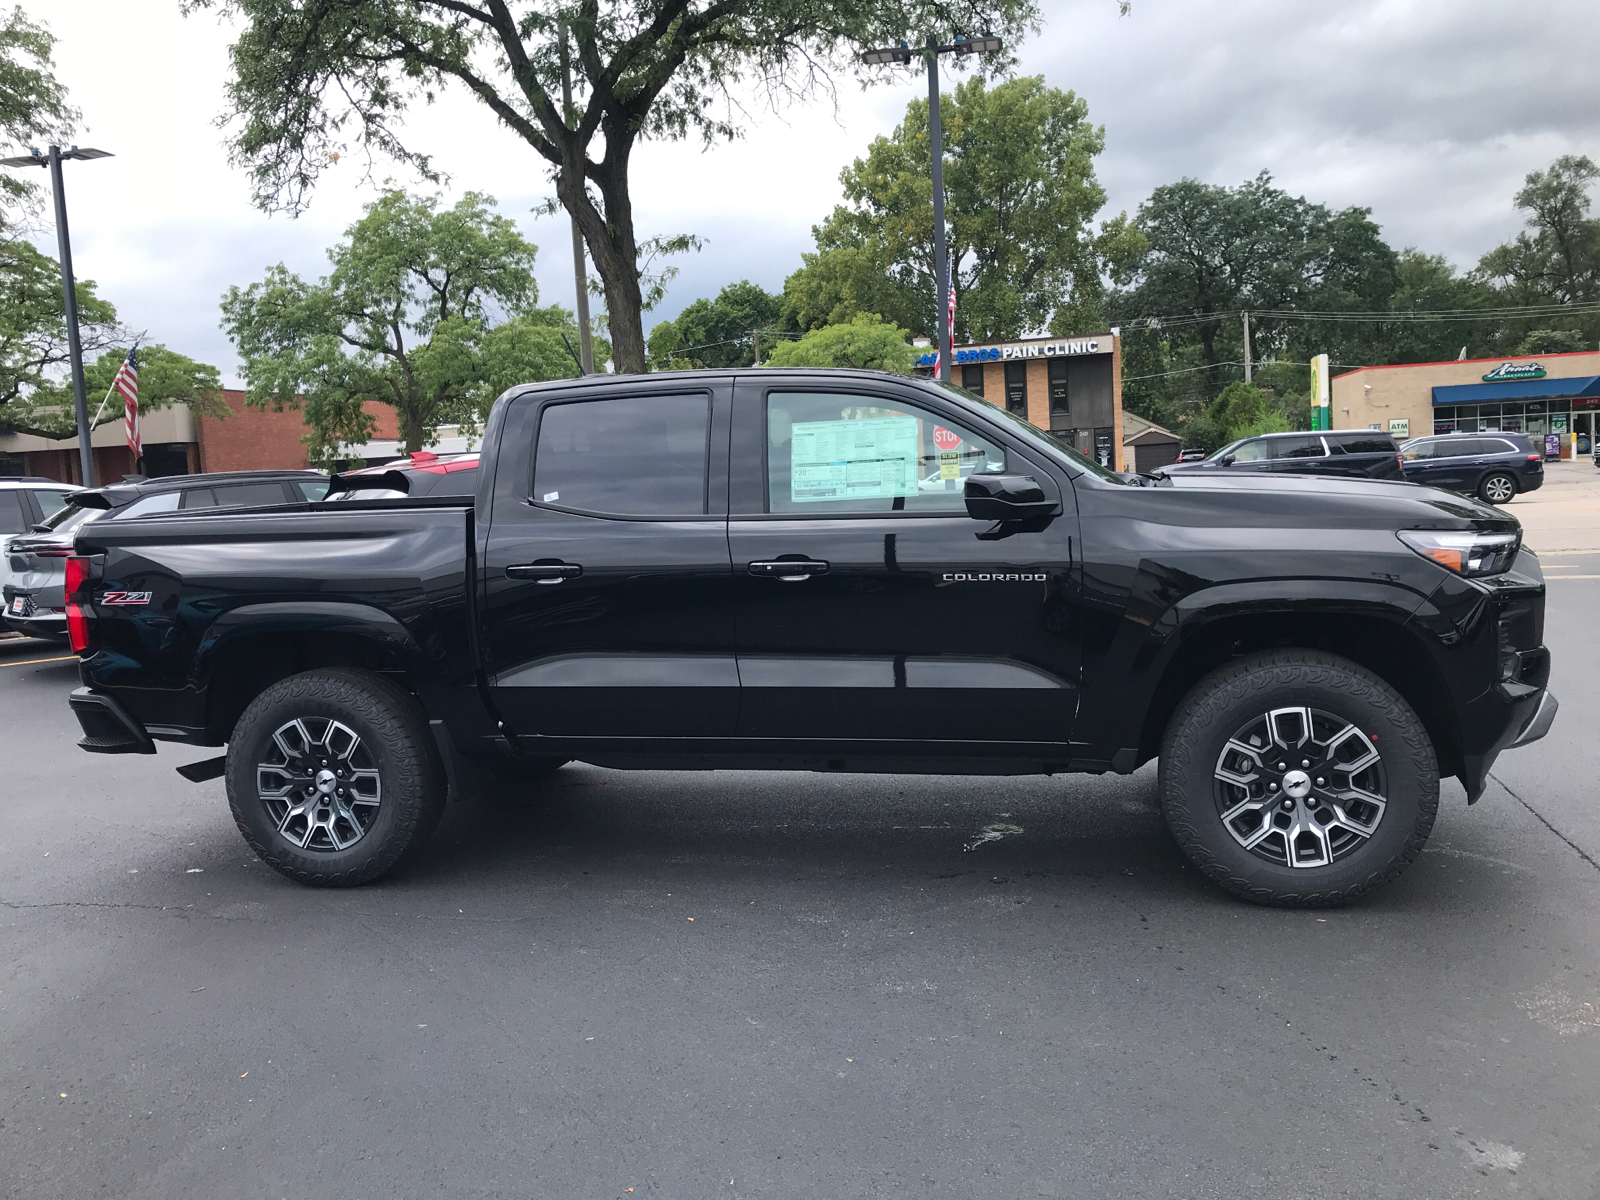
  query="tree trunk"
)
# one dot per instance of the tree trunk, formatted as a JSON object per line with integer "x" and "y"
{"x": 612, "y": 245}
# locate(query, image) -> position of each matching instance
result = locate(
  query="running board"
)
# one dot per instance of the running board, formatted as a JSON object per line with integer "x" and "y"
{"x": 206, "y": 768}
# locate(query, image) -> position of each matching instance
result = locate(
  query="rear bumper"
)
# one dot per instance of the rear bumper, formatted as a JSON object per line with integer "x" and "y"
{"x": 1531, "y": 483}
{"x": 108, "y": 728}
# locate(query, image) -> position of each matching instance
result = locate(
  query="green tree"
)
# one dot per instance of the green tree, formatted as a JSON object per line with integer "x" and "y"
{"x": 716, "y": 333}
{"x": 407, "y": 317}
{"x": 1556, "y": 260}
{"x": 1211, "y": 253}
{"x": 865, "y": 341}
{"x": 1020, "y": 197}
{"x": 33, "y": 105}
{"x": 309, "y": 75}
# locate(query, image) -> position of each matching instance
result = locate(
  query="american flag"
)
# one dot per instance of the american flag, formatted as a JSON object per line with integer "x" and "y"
{"x": 127, "y": 384}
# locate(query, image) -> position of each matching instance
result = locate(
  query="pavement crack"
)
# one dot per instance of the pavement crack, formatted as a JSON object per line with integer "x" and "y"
{"x": 1577, "y": 849}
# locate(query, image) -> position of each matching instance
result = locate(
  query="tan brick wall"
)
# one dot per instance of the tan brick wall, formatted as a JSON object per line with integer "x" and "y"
{"x": 1379, "y": 395}
{"x": 1039, "y": 392}
{"x": 1121, "y": 456}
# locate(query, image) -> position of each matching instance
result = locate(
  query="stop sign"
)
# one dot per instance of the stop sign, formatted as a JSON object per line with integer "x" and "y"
{"x": 944, "y": 439}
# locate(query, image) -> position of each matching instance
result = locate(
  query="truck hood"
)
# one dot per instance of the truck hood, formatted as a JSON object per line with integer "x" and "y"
{"x": 1306, "y": 501}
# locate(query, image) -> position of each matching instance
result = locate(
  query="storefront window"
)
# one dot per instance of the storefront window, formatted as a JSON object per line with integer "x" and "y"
{"x": 1017, "y": 388}
{"x": 1058, "y": 387}
{"x": 972, "y": 378}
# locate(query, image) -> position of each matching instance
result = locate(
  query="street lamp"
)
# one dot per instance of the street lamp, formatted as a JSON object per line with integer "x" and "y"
{"x": 987, "y": 44}
{"x": 69, "y": 292}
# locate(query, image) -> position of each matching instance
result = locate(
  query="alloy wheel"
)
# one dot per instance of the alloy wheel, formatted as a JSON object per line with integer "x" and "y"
{"x": 1300, "y": 787}
{"x": 319, "y": 784}
{"x": 1498, "y": 489}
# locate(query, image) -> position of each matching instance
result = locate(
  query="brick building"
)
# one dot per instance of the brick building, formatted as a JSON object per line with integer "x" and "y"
{"x": 177, "y": 443}
{"x": 1070, "y": 386}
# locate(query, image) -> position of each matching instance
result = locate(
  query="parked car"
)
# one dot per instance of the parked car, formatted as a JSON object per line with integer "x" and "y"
{"x": 423, "y": 473}
{"x": 32, "y": 596}
{"x": 1495, "y": 467}
{"x": 1190, "y": 456}
{"x": 1366, "y": 453}
{"x": 701, "y": 569}
{"x": 24, "y": 502}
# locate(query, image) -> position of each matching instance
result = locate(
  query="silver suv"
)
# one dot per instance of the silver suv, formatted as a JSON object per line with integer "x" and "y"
{"x": 24, "y": 503}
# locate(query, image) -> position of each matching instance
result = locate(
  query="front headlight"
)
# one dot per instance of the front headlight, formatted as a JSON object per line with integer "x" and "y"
{"x": 1471, "y": 554}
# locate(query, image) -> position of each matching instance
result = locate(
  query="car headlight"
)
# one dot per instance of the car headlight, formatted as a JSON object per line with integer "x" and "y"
{"x": 1471, "y": 554}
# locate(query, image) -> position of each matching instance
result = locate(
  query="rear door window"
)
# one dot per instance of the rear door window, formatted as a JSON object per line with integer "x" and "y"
{"x": 633, "y": 456}
{"x": 834, "y": 452}
{"x": 1457, "y": 447}
{"x": 50, "y": 501}
{"x": 238, "y": 495}
{"x": 14, "y": 514}
{"x": 148, "y": 506}
{"x": 1300, "y": 447}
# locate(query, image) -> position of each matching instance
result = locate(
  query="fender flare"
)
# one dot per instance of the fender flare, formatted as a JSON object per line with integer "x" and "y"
{"x": 302, "y": 616}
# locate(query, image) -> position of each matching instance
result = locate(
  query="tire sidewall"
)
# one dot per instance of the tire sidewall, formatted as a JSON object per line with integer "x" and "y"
{"x": 1483, "y": 488}
{"x": 1229, "y": 699}
{"x": 377, "y": 715}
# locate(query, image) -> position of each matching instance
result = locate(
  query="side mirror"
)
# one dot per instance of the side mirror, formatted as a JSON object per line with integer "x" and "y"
{"x": 1226, "y": 460}
{"x": 1007, "y": 498}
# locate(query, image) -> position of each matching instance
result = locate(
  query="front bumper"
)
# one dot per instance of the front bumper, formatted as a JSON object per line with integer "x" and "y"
{"x": 1539, "y": 723}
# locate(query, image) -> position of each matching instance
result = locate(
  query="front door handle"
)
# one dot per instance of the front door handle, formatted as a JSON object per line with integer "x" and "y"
{"x": 789, "y": 570}
{"x": 544, "y": 572}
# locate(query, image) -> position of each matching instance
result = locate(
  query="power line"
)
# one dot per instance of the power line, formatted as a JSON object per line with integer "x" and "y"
{"x": 1377, "y": 315}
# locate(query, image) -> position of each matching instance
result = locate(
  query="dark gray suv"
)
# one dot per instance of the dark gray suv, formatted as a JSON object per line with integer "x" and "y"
{"x": 1362, "y": 453}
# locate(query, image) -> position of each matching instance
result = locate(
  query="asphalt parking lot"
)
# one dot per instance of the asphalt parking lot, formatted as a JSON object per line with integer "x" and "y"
{"x": 745, "y": 985}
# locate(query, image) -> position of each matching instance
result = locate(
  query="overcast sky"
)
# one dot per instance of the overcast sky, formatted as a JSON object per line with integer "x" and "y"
{"x": 1430, "y": 112}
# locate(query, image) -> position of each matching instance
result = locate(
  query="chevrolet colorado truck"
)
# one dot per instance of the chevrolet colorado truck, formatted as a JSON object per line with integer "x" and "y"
{"x": 825, "y": 571}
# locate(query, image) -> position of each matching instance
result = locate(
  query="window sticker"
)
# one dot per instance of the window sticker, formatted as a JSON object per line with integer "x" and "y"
{"x": 551, "y": 497}
{"x": 853, "y": 460}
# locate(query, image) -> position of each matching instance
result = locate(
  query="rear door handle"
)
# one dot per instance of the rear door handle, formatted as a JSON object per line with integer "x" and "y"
{"x": 790, "y": 570}
{"x": 544, "y": 572}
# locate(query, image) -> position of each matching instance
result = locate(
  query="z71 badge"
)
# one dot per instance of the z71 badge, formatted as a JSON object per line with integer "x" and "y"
{"x": 125, "y": 598}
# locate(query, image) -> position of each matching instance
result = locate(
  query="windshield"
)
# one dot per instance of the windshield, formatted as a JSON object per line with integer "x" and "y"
{"x": 1045, "y": 441}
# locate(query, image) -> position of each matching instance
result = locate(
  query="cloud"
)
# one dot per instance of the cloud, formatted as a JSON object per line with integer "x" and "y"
{"x": 1430, "y": 112}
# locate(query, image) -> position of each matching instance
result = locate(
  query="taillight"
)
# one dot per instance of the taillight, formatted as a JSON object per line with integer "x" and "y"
{"x": 1535, "y": 458}
{"x": 1400, "y": 460}
{"x": 77, "y": 582}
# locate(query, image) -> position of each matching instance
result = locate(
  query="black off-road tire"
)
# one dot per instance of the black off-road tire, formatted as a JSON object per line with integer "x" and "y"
{"x": 395, "y": 733}
{"x": 1499, "y": 483}
{"x": 1223, "y": 703}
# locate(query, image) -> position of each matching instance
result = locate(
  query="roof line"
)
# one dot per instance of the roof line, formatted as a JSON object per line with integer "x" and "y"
{"x": 1445, "y": 362}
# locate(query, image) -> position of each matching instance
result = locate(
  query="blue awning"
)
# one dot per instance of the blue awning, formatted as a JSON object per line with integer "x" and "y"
{"x": 1517, "y": 389}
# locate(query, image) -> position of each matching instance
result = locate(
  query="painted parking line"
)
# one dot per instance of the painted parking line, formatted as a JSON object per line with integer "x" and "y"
{"x": 1553, "y": 578}
{"x": 28, "y": 662}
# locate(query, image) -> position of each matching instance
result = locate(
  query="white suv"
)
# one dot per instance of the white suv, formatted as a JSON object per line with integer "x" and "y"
{"x": 24, "y": 502}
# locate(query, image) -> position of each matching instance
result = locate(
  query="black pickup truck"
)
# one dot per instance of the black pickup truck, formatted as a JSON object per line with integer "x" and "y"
{"x": 825, "y": 571}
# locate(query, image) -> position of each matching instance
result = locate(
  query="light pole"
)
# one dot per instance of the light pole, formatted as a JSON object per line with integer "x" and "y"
{"x": 69, "y": 292}
{"x": 903, "y": 53}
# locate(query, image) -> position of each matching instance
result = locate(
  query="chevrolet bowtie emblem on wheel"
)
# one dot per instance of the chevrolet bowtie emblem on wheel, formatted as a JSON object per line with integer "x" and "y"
{"x": 996, "y": 577}
{"x": 125, "y": 598}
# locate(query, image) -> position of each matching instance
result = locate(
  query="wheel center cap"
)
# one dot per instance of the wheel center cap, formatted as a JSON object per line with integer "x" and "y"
{"x": 327, "y": 781}
{"x": 1296, "y": 784}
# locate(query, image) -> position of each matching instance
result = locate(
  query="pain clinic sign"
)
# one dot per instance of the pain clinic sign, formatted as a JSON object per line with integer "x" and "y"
{"x": 1014, "y": 350}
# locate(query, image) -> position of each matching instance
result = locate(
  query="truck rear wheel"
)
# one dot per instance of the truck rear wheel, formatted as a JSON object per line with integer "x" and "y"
{"x": 1298, "y": 778}
{"x": 333, "y": 778}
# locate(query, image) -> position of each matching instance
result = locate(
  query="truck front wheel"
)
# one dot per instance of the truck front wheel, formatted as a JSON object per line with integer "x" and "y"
{"x": 1298, "y": 778}
{"x": 332, "y": 777}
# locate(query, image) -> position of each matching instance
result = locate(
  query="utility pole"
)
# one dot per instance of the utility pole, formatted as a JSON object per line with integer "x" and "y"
{"x": 580, "y": 272}
{"x": 941, "y": 276}
{"x": 755, "y": 340}
{"x": 1247, "y": 347}
{"x": 986, "y": 44}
